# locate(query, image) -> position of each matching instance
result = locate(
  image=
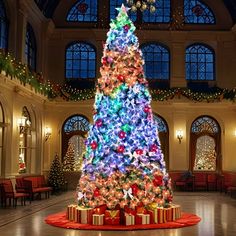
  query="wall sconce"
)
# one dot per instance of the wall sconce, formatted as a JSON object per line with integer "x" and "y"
{"x": 179, "y": 135}
{"x": 23, "y": 124}
{"x": 48, "y": 133}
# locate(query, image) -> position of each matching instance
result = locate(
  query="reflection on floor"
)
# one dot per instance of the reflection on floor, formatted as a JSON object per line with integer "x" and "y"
{"x": 218, "y": 213}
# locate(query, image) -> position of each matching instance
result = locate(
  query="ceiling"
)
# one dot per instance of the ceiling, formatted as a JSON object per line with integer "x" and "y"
{"x": 48, "y": 7}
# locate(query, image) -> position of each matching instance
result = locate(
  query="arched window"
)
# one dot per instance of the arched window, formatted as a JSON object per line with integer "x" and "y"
{"x": 163, "y": 132}
{"x": 197, "y": 12}
{"x": 113, "y": 12}
{"x": 74, "y": 131}
{"x": 83, "y": 11}
{"x": 161, "y": 14}
{"x": 200, "y": 62}
{"x": 80, "y": 61}
{"x": 1, "y": 139}
{"x": 205, "y": 144}
{"x": 157, "y": 61}
{"x": 24, "y": 124}
{"x": 3, "y": 26}
{"x": 30, "y": 47}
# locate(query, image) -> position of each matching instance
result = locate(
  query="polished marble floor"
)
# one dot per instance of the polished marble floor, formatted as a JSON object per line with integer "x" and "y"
{"x": 218, "y": 213}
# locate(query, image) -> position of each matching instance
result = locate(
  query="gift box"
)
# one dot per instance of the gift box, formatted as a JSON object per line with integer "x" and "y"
{"x": 153, "y": 216}
{"x": 86, "y": 215}
{"x": 112, "y": 217}
{"x": 142, "y": 219}
{"x": 169, "y": 214}
{"x": 176, "y": 212}
{"x": 129, "y": 219}
{"x": 98, "y": 219}
{"x": 161, "y": 215}
{"x": 77, "y": 215}
{"x": 141, "y": 210}
{"x": 70, "y": 213}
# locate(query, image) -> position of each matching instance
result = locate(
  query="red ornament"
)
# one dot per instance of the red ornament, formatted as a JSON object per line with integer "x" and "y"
{"x": 104, "y": 60}
{"x": 158, "y": 180}
{"x": 122, "y": 134}
{"x": 82, "y": 8}
{"x": 94, "y": 145}
{"x": 139, "y": 151}
{"x": 121, "y": 78}
{"x": 96, "y": 192}
{"x": 121, "y": 149}
{"x": 126, "y": 28}
{"x": 135, "y": 189}
{"x": 153, "y": 148}
{"x": 146, "y": 109}
{"x": 99, "y": 123}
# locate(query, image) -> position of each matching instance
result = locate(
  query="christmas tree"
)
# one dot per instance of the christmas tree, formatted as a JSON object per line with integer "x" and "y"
{"x": 69, "y": 159}
{"x": 56, "y": 176}
{"x": 123, "y": 164}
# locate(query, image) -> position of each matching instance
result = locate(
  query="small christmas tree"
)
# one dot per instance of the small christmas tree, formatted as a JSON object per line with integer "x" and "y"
{"x": 69, "y": 159}
{"x": 56, "y": 176}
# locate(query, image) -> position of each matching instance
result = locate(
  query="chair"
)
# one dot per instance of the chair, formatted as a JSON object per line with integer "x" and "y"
{"x": 211, "y": 181}
{"x": 185, "y": 181}
{"x": 7, "y": 192}
{"x": 200, "y": 181}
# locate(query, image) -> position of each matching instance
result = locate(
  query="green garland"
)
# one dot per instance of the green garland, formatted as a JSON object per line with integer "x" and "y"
{"x": 51, "y": 91}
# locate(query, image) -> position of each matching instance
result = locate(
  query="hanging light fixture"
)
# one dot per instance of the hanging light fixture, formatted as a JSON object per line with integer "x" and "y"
{"x": 142, "y": 5}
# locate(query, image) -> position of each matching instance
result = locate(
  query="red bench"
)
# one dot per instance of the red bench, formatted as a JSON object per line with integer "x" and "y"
{"x": 33, "y": 185}
{"x": 228, "y": 181}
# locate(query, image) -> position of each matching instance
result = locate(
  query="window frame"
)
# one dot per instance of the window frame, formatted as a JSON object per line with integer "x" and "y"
{"x": 5, "y": 21}
{"x": 65, "y": 64}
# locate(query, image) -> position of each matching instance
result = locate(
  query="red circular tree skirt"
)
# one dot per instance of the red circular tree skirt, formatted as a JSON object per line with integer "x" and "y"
{"x": 60, "y": 220}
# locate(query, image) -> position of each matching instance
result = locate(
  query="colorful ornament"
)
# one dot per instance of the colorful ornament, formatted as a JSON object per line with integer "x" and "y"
{"x": 99, "y": 123}
{"x": 122, "y": 134}
{"x": 126, "y": 28}
{"x": 139, "y": 151}
{"x": 153, "y": 148}
{"x": 121, "y": 78}
{"x": 94, "y": 145}
{"x": 120, "y": 149}
{"x": 146, "y": 109}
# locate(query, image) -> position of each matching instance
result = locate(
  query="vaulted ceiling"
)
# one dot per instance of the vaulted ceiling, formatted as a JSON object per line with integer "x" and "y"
{"x": 48, "y": 7}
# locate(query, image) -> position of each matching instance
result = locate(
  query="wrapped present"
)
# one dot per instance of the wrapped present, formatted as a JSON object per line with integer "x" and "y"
{"x": 98, "y": 219}
{"x": 85, "y": 215}
{"x": 153, "y": 216}
{"x": 142, "y": 219}
{"x": 112, "y": 217}
{"x": 77, "y": 217}
{"x": 160, "y": 215}
{"x": 169, "y": 214}
{"x": 176, "y": 212}
{"x": 70, "y": 214}
{"x": 129, "y": 219}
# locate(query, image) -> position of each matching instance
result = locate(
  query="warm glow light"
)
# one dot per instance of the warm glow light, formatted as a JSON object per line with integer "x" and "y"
{"x": 48, "y": 133}
{"x": 179, "y": 135}
{"x": 235, "y": 133}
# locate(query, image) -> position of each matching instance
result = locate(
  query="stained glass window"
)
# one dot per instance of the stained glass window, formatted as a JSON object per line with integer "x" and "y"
{"x": 83, "y": 11}
{"x": 200, "y": 62}
{"x": 157, "y": 61}
{"x": 113, "y": 12}
{"x": 30, "y": 47}
{"x": 80, "y": 61}
{"x": 76, "y": 123}
{"x": 205, "y": 124}
{"x": 205, "y": 159}
{"x": 3, "y": 26}
{"x": 161, "y": 14}
{"x": 197, "y": 12}
{"x": 161, "y": 123}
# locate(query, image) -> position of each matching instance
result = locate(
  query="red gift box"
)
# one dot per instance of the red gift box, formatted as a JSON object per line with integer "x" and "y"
{"x": 112, "y": 217}
{"x": 141, "y": 210}
{"x": 86, "y": 215}
{"x": 130, "y": 211}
